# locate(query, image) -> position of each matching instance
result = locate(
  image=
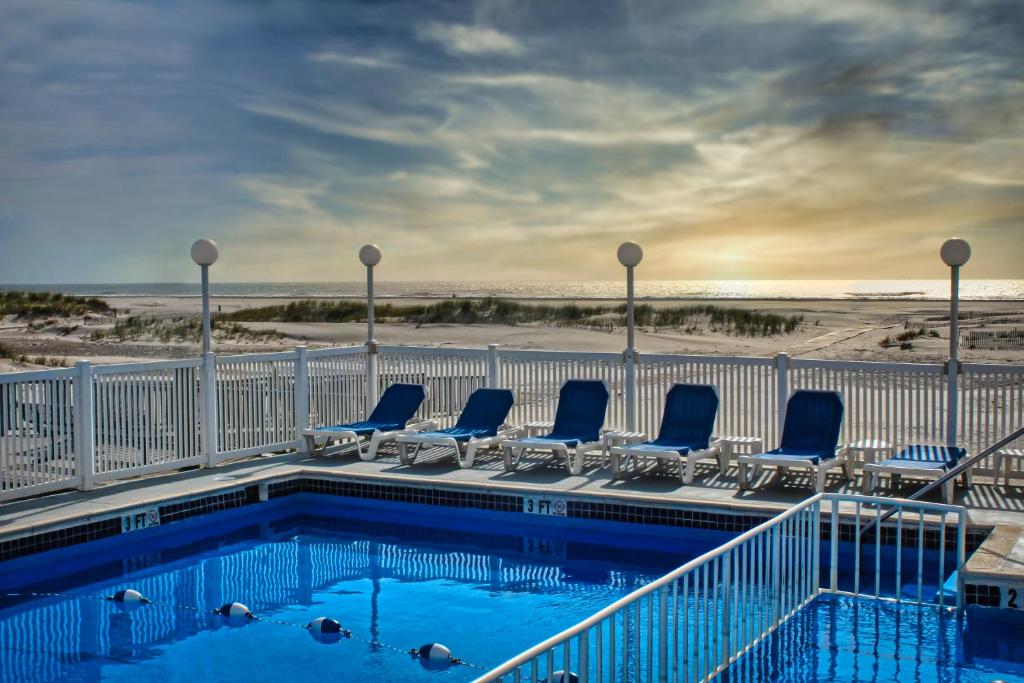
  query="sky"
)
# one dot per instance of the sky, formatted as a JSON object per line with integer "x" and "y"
{"x": 509, "y": 139}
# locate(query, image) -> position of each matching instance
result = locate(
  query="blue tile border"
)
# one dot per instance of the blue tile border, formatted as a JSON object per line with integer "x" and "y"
{"x": 981, "y": 594}
{"x": 59, "y": 538}
{"x": 173, "y": 512}
{"x": 630, "y": 513}
{"x": 576, "y": 508}
{"x": 401, "y": 493}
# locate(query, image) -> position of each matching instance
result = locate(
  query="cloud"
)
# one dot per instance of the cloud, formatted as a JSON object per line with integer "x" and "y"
{"x": 463, "y": 39}
{"x": 732, "y": 138}
{"x": 356, "y": 60}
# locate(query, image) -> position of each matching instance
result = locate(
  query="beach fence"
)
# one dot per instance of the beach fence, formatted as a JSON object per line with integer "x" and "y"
{"x": 73, "y": 427}
{"x": 993, "y": 340}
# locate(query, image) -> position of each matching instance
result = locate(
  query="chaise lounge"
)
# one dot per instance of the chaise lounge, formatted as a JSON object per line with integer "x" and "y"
{"x": 480, "y": 426}
{"x": 394, "y": 415}
{"x": 582, "y": 404}
{"x": 810, "y": 439}
{"x": 919, "y": 461}
{"x": 685, "y": 435}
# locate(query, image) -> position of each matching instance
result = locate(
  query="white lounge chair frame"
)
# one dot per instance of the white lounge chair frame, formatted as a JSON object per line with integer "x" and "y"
{"x": 409, "y": 445}
{"x": 819, "y": 469}
{"x": 375, "y": 440}
{"x": 873, "y": 471}
{"x": 687, "y": 463}
{"x": 512, "y": 451}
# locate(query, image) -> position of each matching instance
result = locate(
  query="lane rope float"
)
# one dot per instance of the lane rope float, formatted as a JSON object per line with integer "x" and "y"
{"x": 323, "y": 629}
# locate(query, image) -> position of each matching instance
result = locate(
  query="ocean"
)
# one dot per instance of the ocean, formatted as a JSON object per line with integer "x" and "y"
{"x": 922, "y": 290}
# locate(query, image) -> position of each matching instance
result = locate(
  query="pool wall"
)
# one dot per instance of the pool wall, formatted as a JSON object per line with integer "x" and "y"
{"x": 563, "y": 509}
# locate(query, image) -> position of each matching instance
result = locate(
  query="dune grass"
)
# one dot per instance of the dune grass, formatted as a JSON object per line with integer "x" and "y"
{"x": 907, "y": 337}
{"x": 694, "y": 318}
{"x": 179, "y": 329}
{"x": 39, "y": 304}
{"x": 10, "y": 354}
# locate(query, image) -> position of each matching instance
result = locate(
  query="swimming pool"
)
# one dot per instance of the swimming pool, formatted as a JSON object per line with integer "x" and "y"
{"x": 486, "y": 584}
{"x": 843, "y": 638}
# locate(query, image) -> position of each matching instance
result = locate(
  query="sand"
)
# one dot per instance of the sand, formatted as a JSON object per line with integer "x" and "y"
{"x": 849, "y": 330}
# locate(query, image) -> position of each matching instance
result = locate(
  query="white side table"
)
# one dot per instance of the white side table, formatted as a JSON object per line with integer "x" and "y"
{"x": 872, "y": 449}
{"x": 613, "y": 438}
{"x": 1001, "y": 459}
{"x": 738, "y": 445}
{"x": 538, "y": 428}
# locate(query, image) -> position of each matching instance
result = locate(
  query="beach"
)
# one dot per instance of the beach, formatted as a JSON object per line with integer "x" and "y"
{"x": 831, "y": 329}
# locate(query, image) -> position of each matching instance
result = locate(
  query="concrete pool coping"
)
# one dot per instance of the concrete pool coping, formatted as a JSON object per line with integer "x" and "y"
{"x": 711, "y": 491}
{"x": 999, "y": 558}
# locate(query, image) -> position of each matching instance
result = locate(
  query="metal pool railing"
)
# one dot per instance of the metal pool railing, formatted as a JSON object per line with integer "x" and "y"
{"x": 692, "y": 623}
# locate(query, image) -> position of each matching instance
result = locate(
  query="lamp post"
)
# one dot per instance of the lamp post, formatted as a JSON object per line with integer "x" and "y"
{"x": 204, "y": 253}
{"x": 630, "y": 254}
{"x": 955, "y": 253}
{"x": 369, "y": 256}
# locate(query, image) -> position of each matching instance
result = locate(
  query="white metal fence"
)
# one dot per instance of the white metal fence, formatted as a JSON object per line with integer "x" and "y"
{"x": 536, "y": 376}
{"x": 337, "y": 385}
{"x": 71, "y": 427}
{"x": 146, "y": 417}
{"x": 692, "y": 623}
{"x": 450, "y": 376}
{"x": 747, "y": 391}
{"x": 256, "y": 403}
{"x": 897, "y": 402}
{"x": 991, "y": 405}
{"x": 37, "y": 431}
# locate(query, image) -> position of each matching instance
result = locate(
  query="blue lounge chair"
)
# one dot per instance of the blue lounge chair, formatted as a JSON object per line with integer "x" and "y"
{"x": 481, "y": 425}
{"x": 810, "y": 438}
{"x": 926, "y": 462}
{"x": 685, "y": 434}
{"x": 393, "y": 415}
{"x": 582, "y": 404}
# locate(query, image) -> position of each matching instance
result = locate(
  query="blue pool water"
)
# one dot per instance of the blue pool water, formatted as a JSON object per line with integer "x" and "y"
{"x": 487, "y": 584}
{"x": 839, "y": 638}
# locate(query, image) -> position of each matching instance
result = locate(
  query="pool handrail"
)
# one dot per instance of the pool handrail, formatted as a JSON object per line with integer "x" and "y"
{"x": 564, "y": 638}
{"x": 616, "y": 606}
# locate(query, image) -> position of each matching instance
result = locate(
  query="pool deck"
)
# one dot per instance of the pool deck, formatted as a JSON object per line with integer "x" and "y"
{"x": 999, "y": 560}
{"x": 989, "y": 504}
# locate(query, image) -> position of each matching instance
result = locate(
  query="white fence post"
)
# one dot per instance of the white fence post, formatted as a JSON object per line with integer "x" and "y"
{"x": 301, "y": 396}
{"x": 492, "y": 366}
{"x": 952, "y": 403}
{"x": 85, "y": 430}
{"x": 782, "y": 391}
{"x": 630, "y": 380}
{"x": 208, "y": 407}
{"x": 371, "y": 376}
